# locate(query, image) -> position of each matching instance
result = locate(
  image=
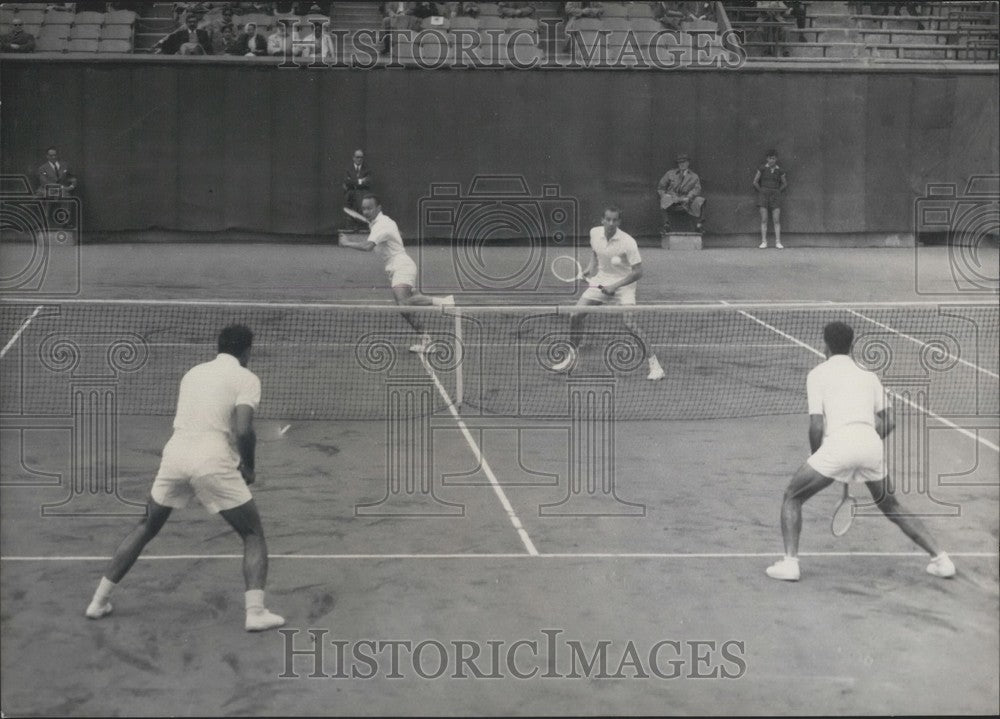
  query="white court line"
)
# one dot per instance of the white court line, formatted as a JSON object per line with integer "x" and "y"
{"x": 924, "y": 344}
{"x": 505, "y": 555}
{"x": 487, "y": 470}
{"x": 20, "y": 330}
{"x": 939, "y": 418}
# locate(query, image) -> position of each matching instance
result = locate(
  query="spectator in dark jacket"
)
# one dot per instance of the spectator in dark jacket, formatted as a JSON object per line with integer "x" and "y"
{"x": 17, "y": 40}
{"x": 249, "y": 42}
{"x": 187, "y": 40}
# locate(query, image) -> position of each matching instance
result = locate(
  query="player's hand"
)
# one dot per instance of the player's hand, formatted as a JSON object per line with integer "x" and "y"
{"x": 249, "y": 476}
{"x": 609, "y": 291}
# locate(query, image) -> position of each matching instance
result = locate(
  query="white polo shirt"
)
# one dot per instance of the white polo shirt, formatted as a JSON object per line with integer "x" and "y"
{"x": 388, "y": 242}
{"x": 844, "y": 394}
{"x": 621, "y": 245}
{"x": 209, "y": 393}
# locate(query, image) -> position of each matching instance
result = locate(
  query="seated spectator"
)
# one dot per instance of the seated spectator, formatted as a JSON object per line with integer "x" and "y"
{"x": 303, "y": 40}
{"x": 576, "y": 10}
{"x": 696, "y": 10}
{"x": 249, "y": 43}
{"x": 224, "y": 41}
{"x": 422, "y": 10}
{"x": 778, "y": 13}
{"x": 215, "y": 20}
{"x": 186, "y": 40}
{"x": 463, "y": 9}
{"x": 680, "y": 191}
{"x": 516, "y": 9}
{"x": 279, "y": 42}
{"x": 668, "y": 15}
{"x": 17, "y": 40}
{"x": 397, "y": 16}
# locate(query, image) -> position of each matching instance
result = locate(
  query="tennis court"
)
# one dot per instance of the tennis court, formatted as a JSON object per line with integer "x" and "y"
{"x": 479, "y": 502}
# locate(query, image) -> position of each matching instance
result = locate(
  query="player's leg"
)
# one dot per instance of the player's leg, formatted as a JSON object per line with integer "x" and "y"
{"x": 776, "y": 214}
{"x": 911, "y": 526}
{"x": 125, "y": 555}
{"x": 245, "y": 519}
{"x": 576, "y": 321}
{"x": 763, "y": 227}
{"x": 805, "y": 483}
{"x": 655, "y": 368}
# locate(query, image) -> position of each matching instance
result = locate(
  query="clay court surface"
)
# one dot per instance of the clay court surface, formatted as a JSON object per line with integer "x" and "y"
{"x": 865, "y": 631}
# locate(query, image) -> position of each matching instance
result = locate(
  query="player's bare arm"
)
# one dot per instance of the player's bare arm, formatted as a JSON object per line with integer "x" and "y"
{"x": 817, "y": 426}
{"x": 885, "y": 422}
{"x": 634, "y": 276}
{"x": 363, "y": 245}
{"x": 246, "y": 441}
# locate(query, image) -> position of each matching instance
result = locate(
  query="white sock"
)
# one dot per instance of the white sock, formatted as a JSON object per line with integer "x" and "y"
{"x": 255, "y": 600}
{"x": 791, "y": 559}
{"x": 939, "y": 555}
{"x": 104, "y": 589}
{"x": 437, "y": 301}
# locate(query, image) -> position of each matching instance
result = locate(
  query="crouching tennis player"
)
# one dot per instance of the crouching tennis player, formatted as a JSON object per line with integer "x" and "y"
{"x": 215, "y": 408}
{"x": 848, "y": 419}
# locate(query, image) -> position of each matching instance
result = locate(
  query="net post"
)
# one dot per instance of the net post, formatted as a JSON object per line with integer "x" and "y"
{"x": 459, "y": 360}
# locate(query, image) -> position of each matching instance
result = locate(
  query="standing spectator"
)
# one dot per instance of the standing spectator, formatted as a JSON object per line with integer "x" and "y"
{"x": 17, "y": 40}
{"x": 516, "y": 9}
{"x": 357, "y": 184}
{"x": 249, "y": 42}
{"x": 279, "y": 42}
{"x": 680, "y": 191}
{"x": 770, "y": 183}
{"x": 187, "y": 40}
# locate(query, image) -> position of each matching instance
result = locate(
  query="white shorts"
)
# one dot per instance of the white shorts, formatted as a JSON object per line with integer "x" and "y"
{"x": 622, "y": 296}
{"x": 206, "y": 468}
{"x": 403, "y": 272}
{"x": 853, "y": 454}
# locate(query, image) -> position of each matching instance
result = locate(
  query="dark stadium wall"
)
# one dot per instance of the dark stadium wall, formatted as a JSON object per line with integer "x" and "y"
{"x": 211, "y": 148}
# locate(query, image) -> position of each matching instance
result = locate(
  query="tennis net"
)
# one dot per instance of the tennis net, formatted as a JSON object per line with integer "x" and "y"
{"x": 327, "y": 361}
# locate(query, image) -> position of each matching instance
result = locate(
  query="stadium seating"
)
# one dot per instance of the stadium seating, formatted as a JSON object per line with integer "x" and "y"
{"x": 89, "y": 18}
{"x": 488, "y": 9}
{"x": 82, "y": 45}
{"x": 58, "y": 17}
{"x": 114, "y": 46}
{"x": 640, "y": 10}
{"x": 51, "y": 44}
{"x": 120, "y": 17}
{"x": 116, "y": 32}
{"x": 85, "y": 32}
{"x": 32, "y": 17}
{"x": 53, "y": 32}
{"x": 615, "y": 9}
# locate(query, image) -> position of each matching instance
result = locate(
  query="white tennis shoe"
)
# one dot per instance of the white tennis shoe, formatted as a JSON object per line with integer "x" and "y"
{"x": 941, "y": 566}
{"x": 567, "y": 364}
{"x": 448, "y": 301}
{"x": 423, "y": 345}
{"x": 655, "y": 372}
{"x": 779, "y": 246}
{"x": 259, "y": 620}
{"x": 96, "y": 610}
{"x": 762, "y": 246}
{"x": 786, "y": 568}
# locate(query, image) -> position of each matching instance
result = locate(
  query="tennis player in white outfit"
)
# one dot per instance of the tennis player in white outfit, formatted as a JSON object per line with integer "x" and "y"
{"x": 209, "y": 456}
{"x": 613, "y": 274}
{"x": 384, "y": 239}
{"x": 848, "y": 419}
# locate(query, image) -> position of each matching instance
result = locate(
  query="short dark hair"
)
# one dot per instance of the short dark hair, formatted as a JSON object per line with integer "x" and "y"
{"x": 50, "y": 149}
{"x": 611, "y": 207}
{"x": 370, "y": 196}
{"x": 235, "y": 339}
{"x": 838, "y": 337}
{"x": 772, "y": 153}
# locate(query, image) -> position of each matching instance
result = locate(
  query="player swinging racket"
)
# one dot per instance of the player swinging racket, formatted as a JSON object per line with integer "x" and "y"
{"x": 385, "y": 240}
{"x": 215, "y": 407}
{"x": 614, "y": 271}
{"x": 848, "y": 419}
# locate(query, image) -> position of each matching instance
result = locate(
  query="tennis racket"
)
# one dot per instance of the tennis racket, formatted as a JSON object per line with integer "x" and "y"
{"x": 356, "y": 215}
{"x": 843, "y": 515}
{"x": 567, "y": 269}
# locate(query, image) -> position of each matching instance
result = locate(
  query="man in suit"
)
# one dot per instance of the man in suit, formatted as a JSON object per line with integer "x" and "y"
{"x": 54, "y": 181}
{"x": 357, "y": 184}
{"x": 680, "y": 191}
{"x": 55, "y": 173}
{"x": 187, "y": 40}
